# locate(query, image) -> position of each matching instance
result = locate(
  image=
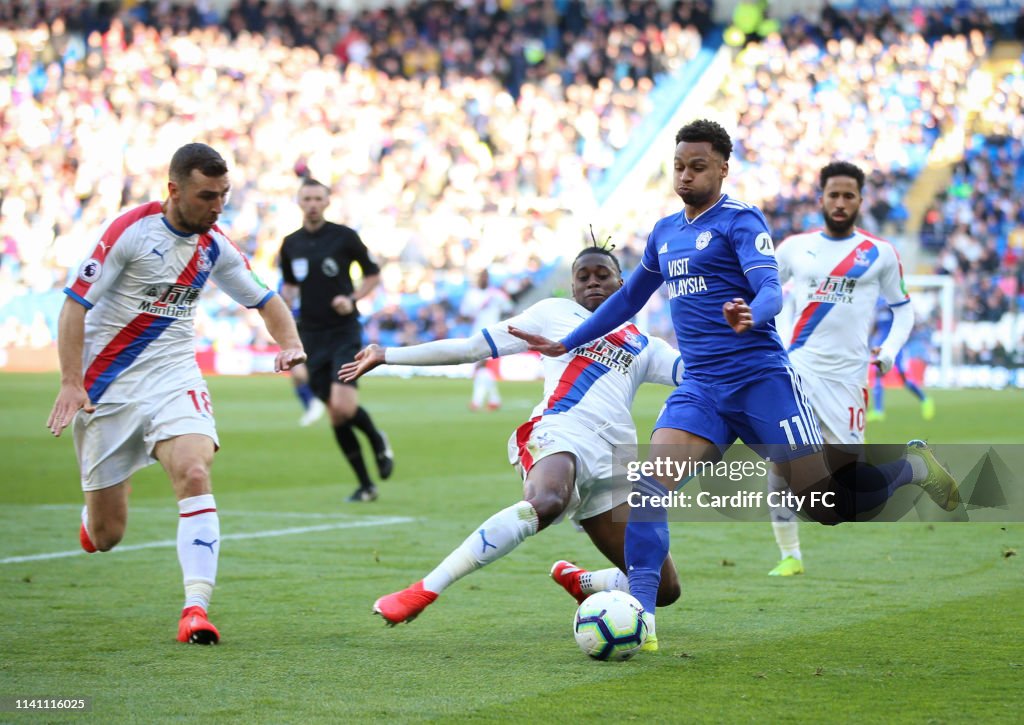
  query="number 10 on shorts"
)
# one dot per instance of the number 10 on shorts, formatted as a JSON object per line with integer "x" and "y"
{"x": 201, "y": 401}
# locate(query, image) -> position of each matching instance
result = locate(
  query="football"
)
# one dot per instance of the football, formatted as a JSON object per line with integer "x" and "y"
{"x": 610, "y": 626}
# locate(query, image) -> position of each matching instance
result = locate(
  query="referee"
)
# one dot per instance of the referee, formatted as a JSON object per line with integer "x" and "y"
{"x": 315, "y": 263}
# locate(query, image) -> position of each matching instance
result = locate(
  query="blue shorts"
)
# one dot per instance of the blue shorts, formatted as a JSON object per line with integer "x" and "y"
{"x": 769, "y": 413}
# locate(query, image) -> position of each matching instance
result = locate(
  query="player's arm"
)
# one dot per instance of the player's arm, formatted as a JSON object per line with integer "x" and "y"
{"x": 894, "y": 291}
{"x": 756, "y": 254}
{"x": 277, "y": 317}
{"x": 453, "y": 351}
{"x": 494, "y": 341}
{"x": 96, "y": 275}
{"x": 72, "y": 396}
{"x": 346, "y": 304}
{"x": 665, "y": 366}
{"x": 767, "y": 302}
{"x": 617, "y": 309}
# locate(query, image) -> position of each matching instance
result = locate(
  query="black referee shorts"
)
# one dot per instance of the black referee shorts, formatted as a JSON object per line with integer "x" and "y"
{"x": 326, "y": 351}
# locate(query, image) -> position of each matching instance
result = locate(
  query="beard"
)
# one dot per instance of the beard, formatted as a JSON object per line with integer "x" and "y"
{"x": 695, "y": 198}
{"x": 840, "y": 228}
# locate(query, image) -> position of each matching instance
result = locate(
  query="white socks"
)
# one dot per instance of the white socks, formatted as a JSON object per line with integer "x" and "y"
{"x": 598, "y": 581}
{"x": 484, "y": 387}
{"x": 784, "y": 522}
{"x": 198, "y": 547}
{"x": 494, "y": 538}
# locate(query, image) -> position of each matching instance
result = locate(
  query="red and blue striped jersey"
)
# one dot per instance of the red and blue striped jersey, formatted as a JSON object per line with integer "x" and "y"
{"x": 141, "y": 285}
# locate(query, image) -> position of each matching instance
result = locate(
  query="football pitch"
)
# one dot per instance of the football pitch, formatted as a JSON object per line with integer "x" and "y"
{"x": 906, "y": 622}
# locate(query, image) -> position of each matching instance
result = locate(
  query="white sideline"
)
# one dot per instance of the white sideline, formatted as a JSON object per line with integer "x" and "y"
{"x": 231, "y": 513}
{"x": 375, "y": 521}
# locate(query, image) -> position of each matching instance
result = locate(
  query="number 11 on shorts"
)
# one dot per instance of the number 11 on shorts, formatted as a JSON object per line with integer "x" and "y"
{"x": 801, "y": 430}
{"x": 201, "y": 401}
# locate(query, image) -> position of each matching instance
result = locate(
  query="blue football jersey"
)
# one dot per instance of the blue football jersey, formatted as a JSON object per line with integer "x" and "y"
{"x": 703, "y": 263}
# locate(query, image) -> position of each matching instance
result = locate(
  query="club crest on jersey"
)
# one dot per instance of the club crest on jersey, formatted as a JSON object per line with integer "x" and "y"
{"x": 860, "y": 258}
{"x": 540, "y": 441}
{"x": 630, "y": 338}
{"x": 329, "y": 267}
{"x": 203, "y": 263}
{"x": 90, "y": 270}
{"x": 703, "y": 240}
{"x": 763, "y": 243}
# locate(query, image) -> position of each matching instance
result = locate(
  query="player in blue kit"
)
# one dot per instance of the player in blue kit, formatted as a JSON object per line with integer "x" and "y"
{"x": 713, "y": 256}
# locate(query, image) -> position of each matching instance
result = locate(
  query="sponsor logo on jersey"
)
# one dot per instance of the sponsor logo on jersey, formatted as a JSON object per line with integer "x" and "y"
{"x": 763, "y": 243}
{"x": 608, "y": 354}
{"x": 682, "y": 284}
{"x": 329, "y": 267}
{"x": 90, "y": 270}
{"x": 175, "y": 300}
{"x": 835, "y": 289}
{"x": 703, "y": 240}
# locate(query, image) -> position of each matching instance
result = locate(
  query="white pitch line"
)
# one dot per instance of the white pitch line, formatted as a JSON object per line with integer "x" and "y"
{"x": 226, "y": 512}
{"x": 378, "y": 521}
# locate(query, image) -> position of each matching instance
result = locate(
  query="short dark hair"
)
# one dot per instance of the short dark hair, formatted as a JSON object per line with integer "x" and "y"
{"x": 599, "y": 250}
{"x": 310, "y": 181}
{"x": 842, "y": 168}
{"x": 705, "y": 130}
{"x": 196, "y": 156}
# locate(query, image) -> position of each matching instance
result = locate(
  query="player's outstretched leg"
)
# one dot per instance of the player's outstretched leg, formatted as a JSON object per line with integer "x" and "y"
{"x": 580, "y": 583}
{"x": 195, "y": 628}
{"x": 786, "y": 530}
{"x": 198, "y": 552}
{"x": 83, "y": 533}
{"x": 930, "y": 475}
{"x": 382, "y": 452}
{"x": 494, "y": 538}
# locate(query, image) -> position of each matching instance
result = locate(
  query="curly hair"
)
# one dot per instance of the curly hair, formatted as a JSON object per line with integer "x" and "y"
{"x": 705, "y": 130}
{"x": 842, "y": 168}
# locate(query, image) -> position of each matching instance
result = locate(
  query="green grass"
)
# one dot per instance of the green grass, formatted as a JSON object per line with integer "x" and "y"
{"x": 893, "y": 622}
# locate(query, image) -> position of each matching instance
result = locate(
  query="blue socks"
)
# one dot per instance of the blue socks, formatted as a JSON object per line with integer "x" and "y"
{"x": 647, "y": 543}
{"x": 305, "y": 394}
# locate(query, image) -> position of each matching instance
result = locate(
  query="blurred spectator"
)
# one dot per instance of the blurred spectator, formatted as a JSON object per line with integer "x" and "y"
{"x": 453, "y": 154}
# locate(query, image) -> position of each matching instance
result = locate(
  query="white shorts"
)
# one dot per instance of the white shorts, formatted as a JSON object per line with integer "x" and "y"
{"x": 596, "y": 488}
{"x": 118, "y": 439}
{"x": 839, "y": 407}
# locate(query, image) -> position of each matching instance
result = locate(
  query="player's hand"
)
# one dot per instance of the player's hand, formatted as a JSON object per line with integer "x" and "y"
{"x": 366, "y": 360}
{"x": 738, "y": 315}
{"x": 539, "y": 343}
{"x": 343, "y": 304}
{"x": 70, "y": 400}
{"x": 287, "y": 359}
{"x": 882, "y": 362}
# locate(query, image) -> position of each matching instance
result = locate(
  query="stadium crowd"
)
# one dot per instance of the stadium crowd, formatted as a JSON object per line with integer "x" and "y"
{"x": 442, "y": 170}
{"x": 451, "y": 151}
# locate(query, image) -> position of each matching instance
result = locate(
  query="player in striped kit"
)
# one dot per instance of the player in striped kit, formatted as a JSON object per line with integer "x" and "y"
{"x": 565, "y": 451}
{"x": 838, "y": 274}
{"x": 130, "y": 385}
